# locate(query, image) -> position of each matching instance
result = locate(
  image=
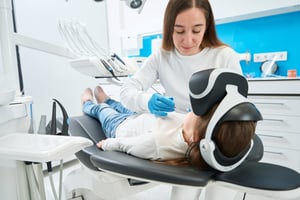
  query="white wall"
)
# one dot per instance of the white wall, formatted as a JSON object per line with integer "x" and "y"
{"x": 47, "y": 76}
{"x": 126, "y": 22}
{"x": 149, "y": 20}
{"x": 1, "y": 65}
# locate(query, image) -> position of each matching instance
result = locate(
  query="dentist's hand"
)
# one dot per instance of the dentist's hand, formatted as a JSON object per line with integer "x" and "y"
{"x": 160, "y": 105}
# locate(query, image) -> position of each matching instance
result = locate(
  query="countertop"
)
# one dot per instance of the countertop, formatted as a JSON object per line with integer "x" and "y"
{"x": 279, "y": 78}
{"x": 274, "y": 86}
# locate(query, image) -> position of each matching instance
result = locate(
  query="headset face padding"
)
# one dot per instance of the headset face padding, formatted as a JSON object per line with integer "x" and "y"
{"x": 243, "y": 112}
{"x": 229, "y": 89}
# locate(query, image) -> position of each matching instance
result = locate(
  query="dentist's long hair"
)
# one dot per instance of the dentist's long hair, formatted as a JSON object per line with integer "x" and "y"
{"x": 174, "y": 8}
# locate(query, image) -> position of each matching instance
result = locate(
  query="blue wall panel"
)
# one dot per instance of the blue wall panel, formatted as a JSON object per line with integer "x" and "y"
{"x": 146, "y": 50}
{"x": 267, "y": 34}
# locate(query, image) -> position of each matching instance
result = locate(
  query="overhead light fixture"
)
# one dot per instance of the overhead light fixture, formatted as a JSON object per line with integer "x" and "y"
{"x": 136, "y": 4}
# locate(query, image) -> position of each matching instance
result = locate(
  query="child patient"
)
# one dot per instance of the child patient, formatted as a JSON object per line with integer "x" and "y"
{"x": 173, "y": 139}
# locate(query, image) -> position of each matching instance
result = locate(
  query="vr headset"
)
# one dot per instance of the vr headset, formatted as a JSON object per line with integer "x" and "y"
{"x": 230, "y": 90}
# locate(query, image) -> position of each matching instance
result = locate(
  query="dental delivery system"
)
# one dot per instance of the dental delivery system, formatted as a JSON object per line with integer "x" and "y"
{"x": 92, "y": 59}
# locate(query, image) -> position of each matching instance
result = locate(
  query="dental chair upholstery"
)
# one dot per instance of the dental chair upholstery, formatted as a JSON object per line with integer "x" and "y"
{"x": 128, "y": 165}
{"x": 252, "y": 176}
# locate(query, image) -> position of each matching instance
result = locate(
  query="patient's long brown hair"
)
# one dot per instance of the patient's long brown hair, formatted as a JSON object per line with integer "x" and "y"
{"x": 232, "y": 137}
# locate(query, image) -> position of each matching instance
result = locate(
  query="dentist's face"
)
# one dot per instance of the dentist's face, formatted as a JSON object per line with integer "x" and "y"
{"x": 189, "y": 29}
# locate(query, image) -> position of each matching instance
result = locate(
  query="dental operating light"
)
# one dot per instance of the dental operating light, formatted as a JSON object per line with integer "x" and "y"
{"x": 134, "y": 4}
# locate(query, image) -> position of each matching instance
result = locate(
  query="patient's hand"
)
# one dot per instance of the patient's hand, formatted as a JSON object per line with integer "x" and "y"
{"x": 100, "y": 144}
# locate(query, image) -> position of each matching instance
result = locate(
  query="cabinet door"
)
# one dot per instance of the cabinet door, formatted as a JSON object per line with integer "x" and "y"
{"x": 277, "y": 105}
{"x": 284, "y": 124}
{"x": 284, "y": 157}
{"x": 278, "y": 139}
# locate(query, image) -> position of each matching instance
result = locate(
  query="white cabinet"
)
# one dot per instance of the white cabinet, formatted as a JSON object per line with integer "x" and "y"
{"x": 235, "y": 10}
{"x": 280, "y": 127}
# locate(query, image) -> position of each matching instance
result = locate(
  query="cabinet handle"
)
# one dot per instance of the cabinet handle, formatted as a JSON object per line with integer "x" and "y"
{"x": 274, "y": 120}
{"x": 266, "y": 103}
{"x": 271, "y": 136}
{"x": 276, "y": 153}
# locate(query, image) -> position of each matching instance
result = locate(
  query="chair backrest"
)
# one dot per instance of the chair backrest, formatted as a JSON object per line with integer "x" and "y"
{"x": 119, "y": 162}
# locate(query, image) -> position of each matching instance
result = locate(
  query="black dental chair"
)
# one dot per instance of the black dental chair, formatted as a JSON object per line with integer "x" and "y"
{"x": 250, "y": 177}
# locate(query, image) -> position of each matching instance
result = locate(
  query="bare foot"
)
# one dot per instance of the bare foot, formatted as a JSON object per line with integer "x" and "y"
{"x": 87, "y": 95}
{"x": 100, "y": 95}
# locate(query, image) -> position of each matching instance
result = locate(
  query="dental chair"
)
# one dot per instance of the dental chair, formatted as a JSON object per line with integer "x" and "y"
{"x": 112, "y": 175}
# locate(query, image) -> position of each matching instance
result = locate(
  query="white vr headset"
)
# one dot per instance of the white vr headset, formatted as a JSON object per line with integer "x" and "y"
{"x": 230, "y": 90}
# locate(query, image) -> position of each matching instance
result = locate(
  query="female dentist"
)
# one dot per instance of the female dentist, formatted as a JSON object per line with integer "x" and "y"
{"x": 190, "y": 44}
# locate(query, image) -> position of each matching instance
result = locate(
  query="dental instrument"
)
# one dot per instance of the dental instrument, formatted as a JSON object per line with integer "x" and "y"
{"x": 90, "y": 54}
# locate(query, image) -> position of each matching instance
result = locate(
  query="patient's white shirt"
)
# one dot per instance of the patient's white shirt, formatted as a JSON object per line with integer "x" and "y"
{"x": 150, "y": 137}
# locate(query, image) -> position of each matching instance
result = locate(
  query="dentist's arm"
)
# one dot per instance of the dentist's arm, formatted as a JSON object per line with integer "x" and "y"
{"x": 134, "y": 92}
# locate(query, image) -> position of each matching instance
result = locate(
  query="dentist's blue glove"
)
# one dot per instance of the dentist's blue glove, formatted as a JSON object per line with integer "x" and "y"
{"x": 160, "y": 105}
